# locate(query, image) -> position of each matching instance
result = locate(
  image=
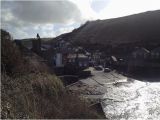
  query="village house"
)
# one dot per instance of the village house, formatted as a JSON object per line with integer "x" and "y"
{"x": 61, "y": 51}
{"x": 111, "y": 62}
{"x": 96, "y": 57}
{"x": 140, "y": 53}
{"x": 68, "y": 59}
{"x": 155, "y": 53}
{"x": 79, "y": 60}
{"x": 65, "y": 53}
{"x": 139, "y": 57}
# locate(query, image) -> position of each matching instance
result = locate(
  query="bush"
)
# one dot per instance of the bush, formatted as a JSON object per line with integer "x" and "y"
{"x": 24, "y": 94}
{"x": 11, "y": 58}
{"x": 30, "y": 91}
{"x": 40, "y": 96}
{"x": 14, "y": 62}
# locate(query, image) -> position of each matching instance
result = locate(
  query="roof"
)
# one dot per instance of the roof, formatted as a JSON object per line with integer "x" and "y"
{"x": 79, "y": 56}
{"x": 142, "y": 50}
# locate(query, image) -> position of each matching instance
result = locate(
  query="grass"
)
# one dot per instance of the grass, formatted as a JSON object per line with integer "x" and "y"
{"x": 41, "y": 96}
{"x": 29, "y": 90}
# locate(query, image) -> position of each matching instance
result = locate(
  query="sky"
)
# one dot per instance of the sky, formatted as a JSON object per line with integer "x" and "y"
{"x": 24, "y": 19}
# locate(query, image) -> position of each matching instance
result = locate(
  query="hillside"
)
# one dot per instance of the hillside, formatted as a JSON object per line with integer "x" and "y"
{"x": 140, "y": 28}
{"x": 30, "y": 90}
{"x": 28, "y": 41}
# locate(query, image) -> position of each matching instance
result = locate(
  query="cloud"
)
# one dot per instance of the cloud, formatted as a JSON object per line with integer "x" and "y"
{"x": 51, "y": 18}
{"x": 46, "y": 30}
{"x": 64, "y": 30}
{"x": 118, "y": 8}
{"x": 26, "y": 18}
{"x": 99, "y": 5}
{"x": 44, "y": 11}
{"x": 86, "y": 10}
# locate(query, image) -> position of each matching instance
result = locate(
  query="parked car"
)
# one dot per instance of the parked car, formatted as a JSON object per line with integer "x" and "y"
{"x": 99, "y": 68}
{"x": 107, "y": 70}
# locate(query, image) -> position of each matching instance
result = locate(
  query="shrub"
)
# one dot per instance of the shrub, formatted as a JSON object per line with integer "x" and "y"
{"x": 24, "y": 94}
{"x": 11, "y": 58}
{"x": 30, "y": 91}
{"x": 14, "y": 62}
{"x": 40, "y": 96}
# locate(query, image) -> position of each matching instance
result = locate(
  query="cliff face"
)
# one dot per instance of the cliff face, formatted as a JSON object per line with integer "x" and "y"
{"x": 140, "y": 28}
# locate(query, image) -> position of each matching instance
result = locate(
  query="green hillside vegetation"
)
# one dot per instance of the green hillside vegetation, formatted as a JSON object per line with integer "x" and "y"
{"x": 29, "y": 90}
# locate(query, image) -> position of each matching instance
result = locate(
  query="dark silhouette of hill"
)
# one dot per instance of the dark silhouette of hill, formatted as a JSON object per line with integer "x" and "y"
{"x": 142, "y": 28}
